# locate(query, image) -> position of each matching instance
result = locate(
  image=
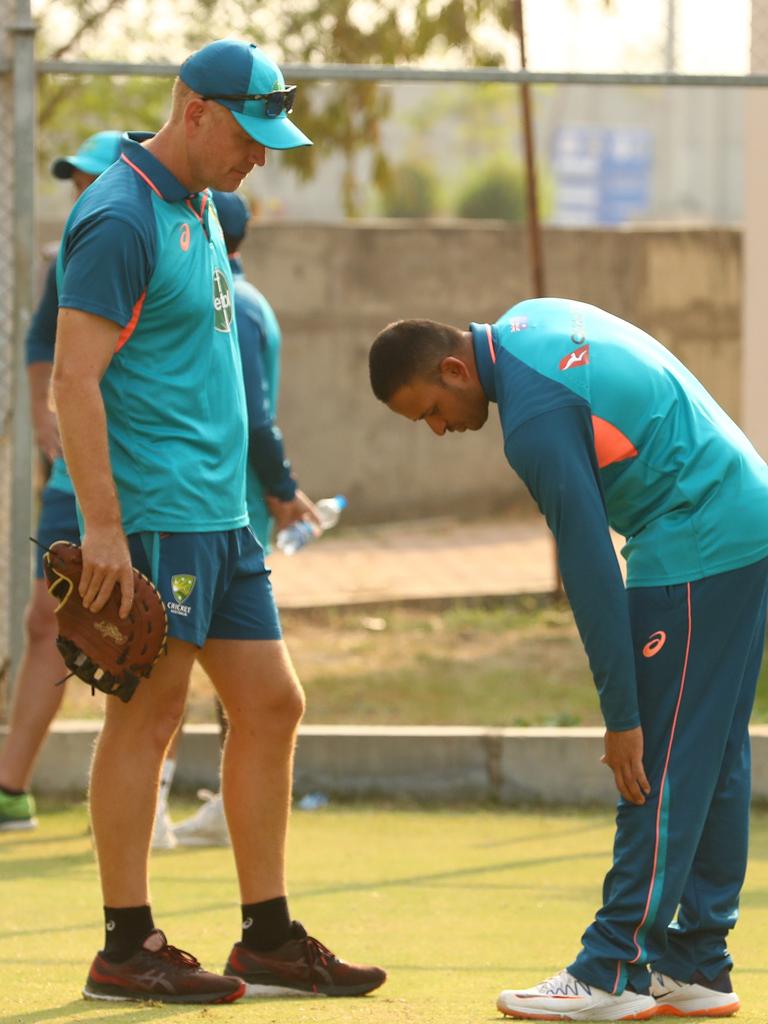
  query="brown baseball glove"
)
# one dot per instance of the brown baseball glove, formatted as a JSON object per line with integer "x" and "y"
{"x": 109, "y": 653}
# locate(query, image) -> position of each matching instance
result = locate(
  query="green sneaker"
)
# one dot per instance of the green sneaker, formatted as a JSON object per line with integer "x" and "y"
{"x": 17, "y": 812}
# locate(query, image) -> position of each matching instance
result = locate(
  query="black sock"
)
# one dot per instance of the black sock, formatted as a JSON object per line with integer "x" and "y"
{"x": 12, "y": 792}
{"x": 126, "y": 928}
{"x": 266, "y": 925}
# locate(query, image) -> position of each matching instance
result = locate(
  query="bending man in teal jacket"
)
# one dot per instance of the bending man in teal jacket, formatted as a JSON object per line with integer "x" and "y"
{"x": 607, "y": 428}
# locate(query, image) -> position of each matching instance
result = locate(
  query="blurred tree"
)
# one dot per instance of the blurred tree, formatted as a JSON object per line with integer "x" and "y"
{"x": 340, "y": 117}
{"x": 497, "y": 189}
{"x": 494, "y": 190}
{"x": 410, "y": 191}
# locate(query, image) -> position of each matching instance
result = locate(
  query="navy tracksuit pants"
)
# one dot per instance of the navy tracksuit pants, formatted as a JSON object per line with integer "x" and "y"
{"x": 698, "y": 651}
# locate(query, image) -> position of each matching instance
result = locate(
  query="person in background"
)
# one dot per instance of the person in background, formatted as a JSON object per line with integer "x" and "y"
{"x": 36, "y": 698}
{"x": 271, "y": 489}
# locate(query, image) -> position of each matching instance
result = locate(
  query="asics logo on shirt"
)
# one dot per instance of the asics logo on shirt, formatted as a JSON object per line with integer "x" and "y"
{"x": 578, "y": 358}
{"x": 655, "y": 642}
{"x": 184, "y": 237}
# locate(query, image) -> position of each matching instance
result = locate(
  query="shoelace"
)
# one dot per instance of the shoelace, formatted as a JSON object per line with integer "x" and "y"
{"x": 179, "y": 957}
{"x": 317, "y": 952}
{"x": 563, "y": 984}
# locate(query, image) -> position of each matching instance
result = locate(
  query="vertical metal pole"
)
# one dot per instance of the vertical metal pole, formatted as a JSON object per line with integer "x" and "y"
{"x": 534, "y": 223}
{"x": 671, "y": 41}
{"x": 754, "y": 356}
{"x": 24, "y": 110}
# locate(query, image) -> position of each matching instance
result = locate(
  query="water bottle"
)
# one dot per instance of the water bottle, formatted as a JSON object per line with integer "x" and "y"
{"x": 294, "y": 537}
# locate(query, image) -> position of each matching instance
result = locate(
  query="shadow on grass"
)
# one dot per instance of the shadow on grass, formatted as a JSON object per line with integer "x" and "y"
{"x": 93, "y": 1012}
{"x": 453, "y": 876}
{"x": 15, "y": 840}
{"x": 96, "y": 924}
{"x": 17, "y": 868}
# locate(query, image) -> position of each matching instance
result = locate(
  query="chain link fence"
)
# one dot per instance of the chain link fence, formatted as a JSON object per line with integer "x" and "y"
{"x": 588, "y": 60}
{"x": 7, "y": 11}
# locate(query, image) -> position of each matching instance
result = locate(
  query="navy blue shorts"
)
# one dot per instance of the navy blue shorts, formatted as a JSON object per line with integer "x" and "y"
{"x": 58, "y": 521}
{"x": 215, "y": 585}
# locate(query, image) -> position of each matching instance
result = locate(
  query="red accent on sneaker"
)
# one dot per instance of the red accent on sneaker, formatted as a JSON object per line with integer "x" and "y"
{"x": 161, "y": 973}
{"x": 302, "y": 964}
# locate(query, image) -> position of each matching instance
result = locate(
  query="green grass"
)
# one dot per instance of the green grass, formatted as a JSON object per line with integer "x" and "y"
{"x": 455, "y": 904}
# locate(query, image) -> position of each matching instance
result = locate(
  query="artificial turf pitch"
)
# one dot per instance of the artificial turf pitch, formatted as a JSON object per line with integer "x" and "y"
{"x": 455, "y": 904}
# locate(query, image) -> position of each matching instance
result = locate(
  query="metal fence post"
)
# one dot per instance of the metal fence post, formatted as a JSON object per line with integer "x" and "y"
{"x": 24, "y": 96}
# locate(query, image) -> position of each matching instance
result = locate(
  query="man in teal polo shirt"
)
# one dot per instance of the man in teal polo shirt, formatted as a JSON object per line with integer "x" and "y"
{"x": 149, "y": 391}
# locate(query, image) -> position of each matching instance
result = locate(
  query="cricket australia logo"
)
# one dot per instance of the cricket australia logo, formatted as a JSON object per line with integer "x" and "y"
{"x": 222, "y": 302}
{"x": 182, "y": 586}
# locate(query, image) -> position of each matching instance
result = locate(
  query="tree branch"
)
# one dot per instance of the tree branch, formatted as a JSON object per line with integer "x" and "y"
{"x": 92, "y": 21}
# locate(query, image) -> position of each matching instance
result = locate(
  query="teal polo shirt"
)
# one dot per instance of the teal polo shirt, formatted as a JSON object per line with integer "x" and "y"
{"x": 140, "y": 250}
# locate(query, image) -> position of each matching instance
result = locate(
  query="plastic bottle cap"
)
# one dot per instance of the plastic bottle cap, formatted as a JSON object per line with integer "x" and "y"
{"x": 340, "y": 500}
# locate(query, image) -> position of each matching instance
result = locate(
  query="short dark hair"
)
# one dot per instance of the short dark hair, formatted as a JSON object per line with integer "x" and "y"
{"x": 408, "y": 349}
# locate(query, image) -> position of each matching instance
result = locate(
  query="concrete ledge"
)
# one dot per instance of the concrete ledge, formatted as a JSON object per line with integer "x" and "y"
{"x": 547, "y": 765}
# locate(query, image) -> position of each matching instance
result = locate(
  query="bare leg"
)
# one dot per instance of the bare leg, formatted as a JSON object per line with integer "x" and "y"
{"x": 264, "y": 703}
{"x": 36, "y": 698}
{"x": 125, "y": 773}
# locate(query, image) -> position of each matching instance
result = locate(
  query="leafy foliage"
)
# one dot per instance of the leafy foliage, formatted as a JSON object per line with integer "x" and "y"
{"x": 411, "y": 191}
{"x": 495, "y": 190}
{"x": 341, "y": 117}
{"x": 498, "y": 189}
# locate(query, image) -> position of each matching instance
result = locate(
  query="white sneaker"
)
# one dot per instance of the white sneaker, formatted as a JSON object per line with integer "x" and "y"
{"x": 695, "y": 998}
{"x": 207, "y": 826}
{"x": 162, "y": 832}
{"x": 563, "y": 997}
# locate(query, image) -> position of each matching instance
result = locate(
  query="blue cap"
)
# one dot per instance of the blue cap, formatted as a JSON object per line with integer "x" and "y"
{"x": 230, "y": 67}
{"x": 95, "y": 155}
{"x": 233, "y": 212}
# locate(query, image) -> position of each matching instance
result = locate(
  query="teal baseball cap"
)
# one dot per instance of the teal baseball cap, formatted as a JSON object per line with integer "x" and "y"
{"x": 95, "y": 155}
{"x": 243, "y": 79}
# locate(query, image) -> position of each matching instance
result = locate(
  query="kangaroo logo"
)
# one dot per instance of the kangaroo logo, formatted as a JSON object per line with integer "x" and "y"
{"x": 578, "y": 358}
{"x": 110, "y": 632}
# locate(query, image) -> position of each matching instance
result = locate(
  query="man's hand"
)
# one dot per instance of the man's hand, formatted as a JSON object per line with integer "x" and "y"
{"x": 287, "y": 512}
{"x": 46, "y": 432}
{"x": 106, "y": 561}
{"x": 43, "y": 417}
{"x": 624, "y": 756}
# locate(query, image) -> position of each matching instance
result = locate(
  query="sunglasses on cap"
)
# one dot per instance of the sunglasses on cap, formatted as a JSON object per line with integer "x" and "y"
{"x": 275, "y": 104}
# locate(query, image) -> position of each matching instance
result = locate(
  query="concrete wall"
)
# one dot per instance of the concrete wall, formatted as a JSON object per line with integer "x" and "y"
{"x": 334, "y": 286}
{"x": 442, "y": 764}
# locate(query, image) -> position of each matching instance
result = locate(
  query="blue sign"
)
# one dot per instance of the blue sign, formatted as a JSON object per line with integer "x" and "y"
{"x": 602, "y": 175}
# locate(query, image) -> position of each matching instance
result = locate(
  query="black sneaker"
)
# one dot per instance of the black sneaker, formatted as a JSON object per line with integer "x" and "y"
{"x": 159, "y": 973}
{"x": 301, "y": 965}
